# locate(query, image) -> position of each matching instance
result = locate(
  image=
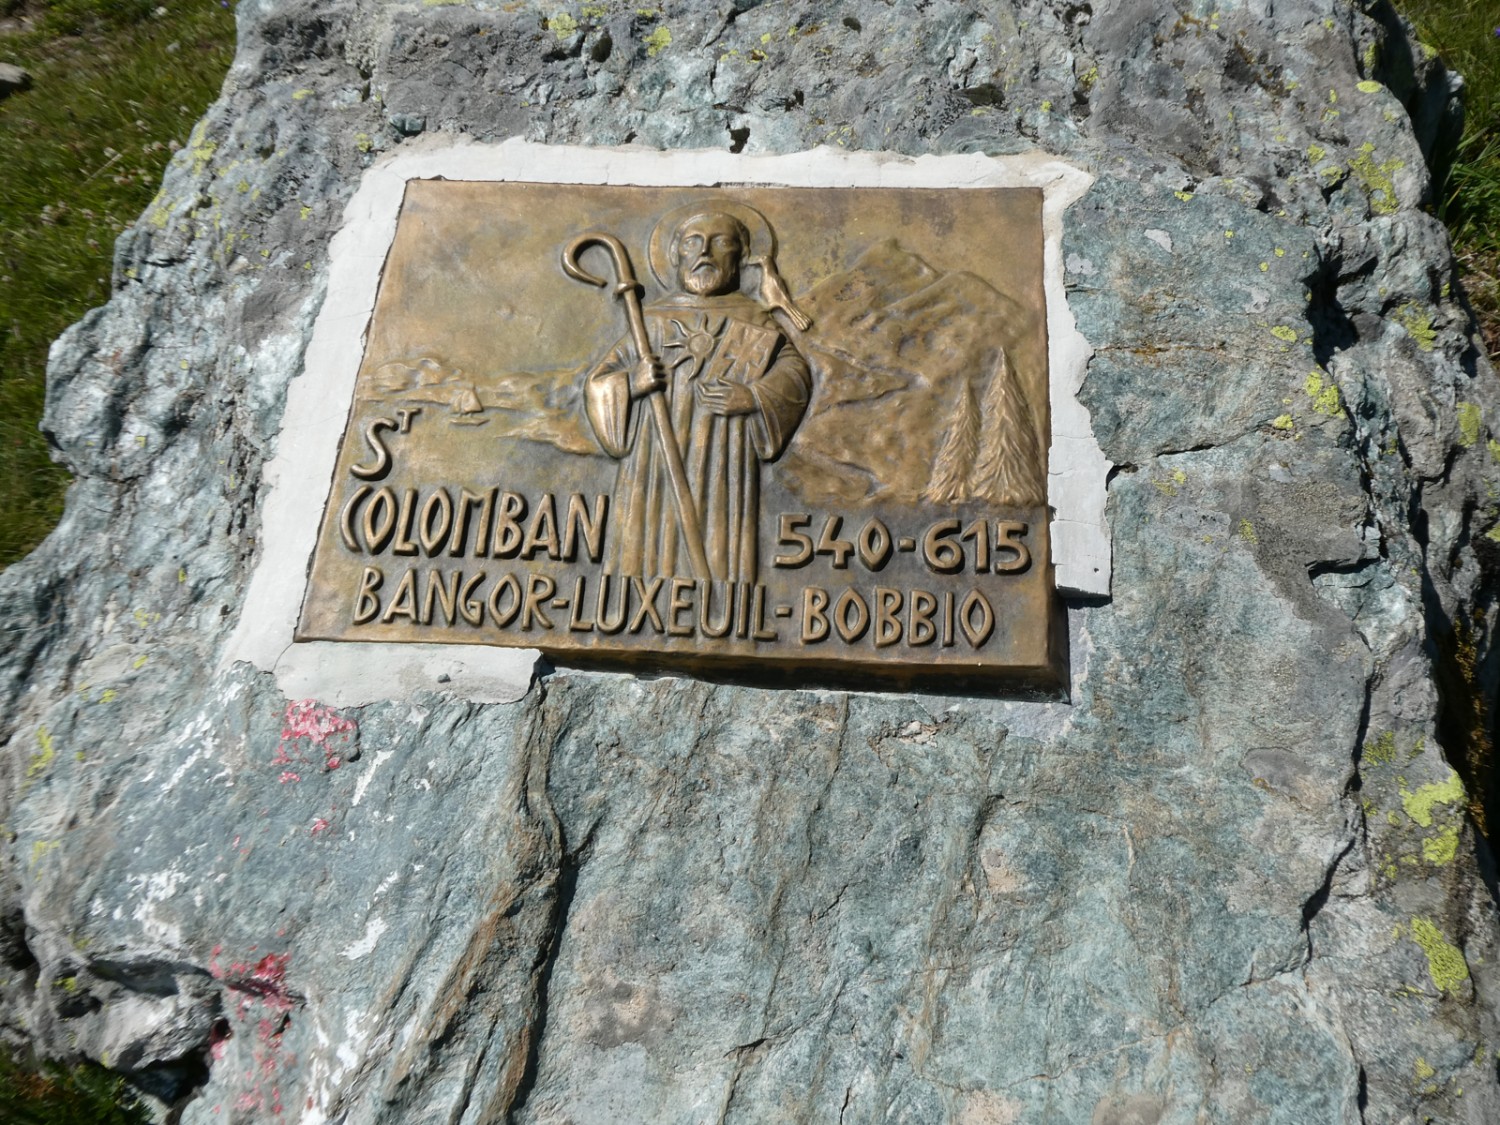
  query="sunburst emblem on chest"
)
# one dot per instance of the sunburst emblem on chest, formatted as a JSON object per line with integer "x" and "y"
{"x": 693, "y": 341}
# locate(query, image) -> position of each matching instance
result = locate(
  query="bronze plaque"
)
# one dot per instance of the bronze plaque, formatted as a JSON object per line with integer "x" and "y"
{"x": 756, "y": 431}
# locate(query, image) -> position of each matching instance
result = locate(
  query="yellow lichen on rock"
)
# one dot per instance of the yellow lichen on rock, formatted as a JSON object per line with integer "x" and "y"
{"x": 1445, "y": 962}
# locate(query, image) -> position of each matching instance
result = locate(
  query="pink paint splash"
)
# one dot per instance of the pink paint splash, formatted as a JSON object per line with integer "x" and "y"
{"x": 319, "y": 826}
{"x": 308, "y": 725}
{"x": 264, "y": 981}
{"x": 218, "y": 1039}
{"x": 261, "y": 1015}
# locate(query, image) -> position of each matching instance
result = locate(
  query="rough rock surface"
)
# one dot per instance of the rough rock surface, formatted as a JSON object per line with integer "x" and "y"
{"x": 1235, "y": 879}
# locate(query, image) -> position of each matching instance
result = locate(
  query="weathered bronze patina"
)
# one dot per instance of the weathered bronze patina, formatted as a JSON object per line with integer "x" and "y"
{"x": 809, "y": 438}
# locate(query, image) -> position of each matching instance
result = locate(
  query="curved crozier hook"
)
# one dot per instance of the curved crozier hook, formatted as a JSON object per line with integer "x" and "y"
{"x": 623, "y": 270}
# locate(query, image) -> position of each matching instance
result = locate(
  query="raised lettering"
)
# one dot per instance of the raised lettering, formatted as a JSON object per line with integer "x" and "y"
{"x": 382, "y": 463}
{"x": 346, "y": 517}
{"x": 706, "y": 625}
{"x": 539, "y": 587}
{"x": 404, "y": 604}
{"x": 542, "y": 533}
{"x": 503, "y": 617}
{"x": 758, "y": 615}
{"x": 741, "y": 609}
{"x": 874, "y": 544}
{"x": 978, "y": 533}
{"x": 679, "y": 602}
{"x": 576, "y": 623}
{"x": 460, "y": 537}
{"x": 366, "y": 604}
{"x": 1008, "y": 538}
{"x": 940, "y": 551}
{"x": 378, "y": 529}
{"x": 919, "y": 627}
{"x": 445, "y": 595}
{"x": 433, "y": 532}
{"x": 976, "y": 633}
{"x": 791, "y": 536}
{"x": 814, "y": 615}
{"x": 471, "y": 608}
{"x": 830, "y": 544}
{"x": 580, "y": 522}
{"x": 647, "y": 596}
{"x": 851, "y": 616}
{"x": 403, "y": 544}
{"x": 602, "y": 621}
{"x": 887, "y": 616}
{"x": 507, "y": 525}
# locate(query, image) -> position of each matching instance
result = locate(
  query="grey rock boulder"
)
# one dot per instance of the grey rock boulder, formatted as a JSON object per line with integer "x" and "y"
{"x": 1237, "y": 876}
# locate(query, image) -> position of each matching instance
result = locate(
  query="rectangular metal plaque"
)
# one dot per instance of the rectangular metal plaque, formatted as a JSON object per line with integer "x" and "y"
{"x": 751, "y": 430}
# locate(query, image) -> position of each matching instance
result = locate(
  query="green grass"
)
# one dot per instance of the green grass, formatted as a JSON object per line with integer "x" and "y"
{"x": 115, "y": 88}
{"x": 1464, "y": 33}
{"x": 50, "y": 1094}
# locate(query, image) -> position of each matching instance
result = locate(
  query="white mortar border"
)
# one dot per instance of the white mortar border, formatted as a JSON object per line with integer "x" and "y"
{"x": 318, "y": 400}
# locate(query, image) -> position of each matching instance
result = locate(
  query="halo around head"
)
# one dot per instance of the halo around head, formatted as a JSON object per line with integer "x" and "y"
{"x": 762, "y": 238}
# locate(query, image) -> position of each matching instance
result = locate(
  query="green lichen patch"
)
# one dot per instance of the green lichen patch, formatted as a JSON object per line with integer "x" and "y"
{"x": 1381, "y": 750}
{"x": 200, "y": 148}
{"x": 1418, "y": 323}
{"x": 658, "y": 41}
{"x": 562, "y": 25}
{"x": 1375, "y": 178}
{"x": 1419, "y": 804}
{"x": 1470, "y": 420}
{"x": 46, "y": 752}
{"x": 1325, "y": 395}
{"x": 1445, "y": 962}
{"x": 1440, "y": 848}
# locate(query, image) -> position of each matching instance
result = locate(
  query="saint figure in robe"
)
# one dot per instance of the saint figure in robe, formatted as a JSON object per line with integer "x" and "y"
{"x": 735, "y": 388}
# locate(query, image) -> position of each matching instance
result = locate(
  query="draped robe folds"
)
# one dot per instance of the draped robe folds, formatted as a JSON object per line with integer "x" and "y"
{"x": 697, "y": 339}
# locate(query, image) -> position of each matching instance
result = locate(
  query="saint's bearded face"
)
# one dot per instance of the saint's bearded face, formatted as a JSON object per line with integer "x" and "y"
{"x": 708, "y": 250}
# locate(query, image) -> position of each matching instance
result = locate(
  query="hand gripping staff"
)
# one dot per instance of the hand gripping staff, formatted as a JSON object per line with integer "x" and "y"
{"x": 628, "y": 290}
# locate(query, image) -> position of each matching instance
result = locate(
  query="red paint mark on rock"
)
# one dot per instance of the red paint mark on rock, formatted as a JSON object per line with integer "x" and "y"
{"x": 309, "y": 726}
{"x": 319, "y": 826}
{"x": 218, "y": 1039}
{"x": 251, "y": 1037}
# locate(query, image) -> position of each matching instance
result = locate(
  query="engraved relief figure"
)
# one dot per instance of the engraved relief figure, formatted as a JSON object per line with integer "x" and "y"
{"x": 733, "y": 386}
